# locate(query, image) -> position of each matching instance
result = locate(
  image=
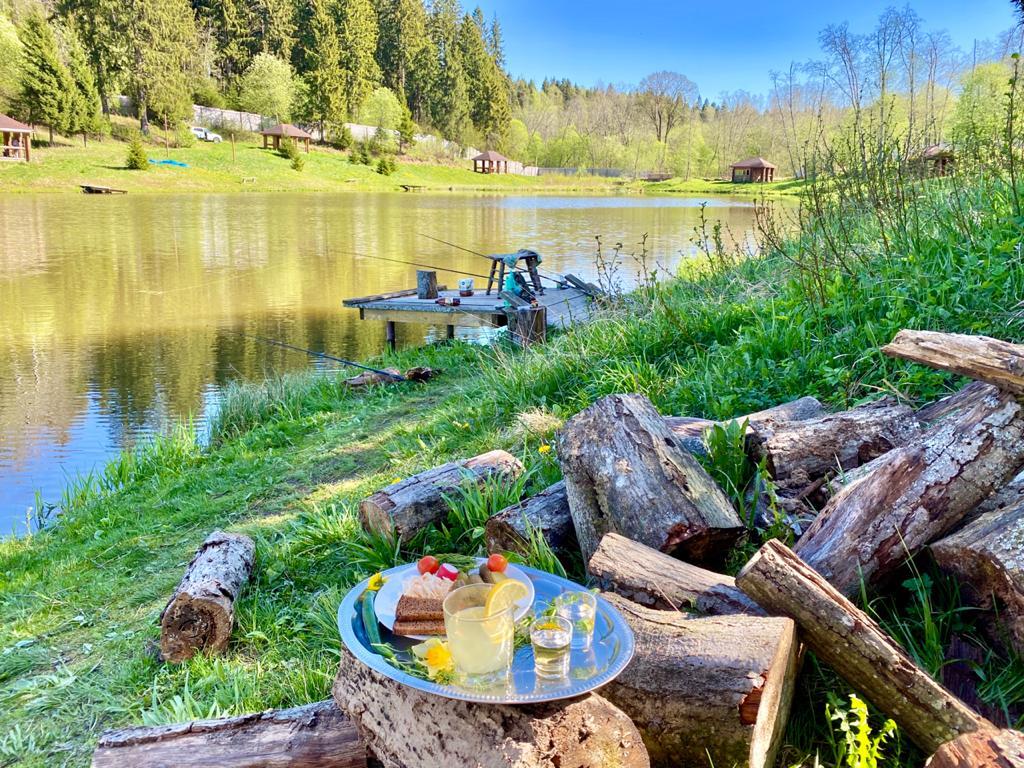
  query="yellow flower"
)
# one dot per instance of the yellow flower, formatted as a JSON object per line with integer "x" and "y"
{"x": 436, "y": 658}
{"x": 544, "y": 449}
{"x": 376, "y": 582}
{"x": 396, "y": 480}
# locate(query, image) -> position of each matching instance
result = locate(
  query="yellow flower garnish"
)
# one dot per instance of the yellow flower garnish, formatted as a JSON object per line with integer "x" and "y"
{"x": 376, "y": 582}
{"x": 544, "y": 449}
{"x": 436, "y": 658}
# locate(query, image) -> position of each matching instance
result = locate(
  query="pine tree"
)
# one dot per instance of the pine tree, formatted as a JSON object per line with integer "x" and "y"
{"x": 46, "y": 87}
{"x": 85, "y": 114}
{"x": 162, "y": 42}
{"x": 357, "y": 36}
{"x": 448, "y": 98}
{"x": 402, "y": 36}
{"x": 496, "y": 44}
{"x": 277, "y": 27}
{"x": 102, "y": 27}
{"x": 325, "y": 104}
{"x": 489, "y": 88}
{"x": 136, "y": 160}
{"x": 406, "y": 131}
{"x": 11, "y": 62}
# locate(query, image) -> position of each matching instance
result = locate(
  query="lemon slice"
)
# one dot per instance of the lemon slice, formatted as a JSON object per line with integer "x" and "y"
{"x": 503, "y": 595}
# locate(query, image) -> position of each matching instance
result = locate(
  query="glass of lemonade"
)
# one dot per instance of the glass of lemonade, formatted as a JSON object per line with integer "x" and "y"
{"x": 580, "y": 610}
{"x": 551, "y": 637}
{"x": 480, "y": 644}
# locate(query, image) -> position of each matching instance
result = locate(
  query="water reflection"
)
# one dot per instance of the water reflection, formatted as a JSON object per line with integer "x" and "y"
{"x": 120, "y": 315}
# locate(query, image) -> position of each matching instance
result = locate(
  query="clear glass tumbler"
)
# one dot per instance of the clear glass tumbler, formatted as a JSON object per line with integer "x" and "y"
{"x": 481, "y": 644}
{"x": 580, "y": 609}
{"x": 551, "y": 637}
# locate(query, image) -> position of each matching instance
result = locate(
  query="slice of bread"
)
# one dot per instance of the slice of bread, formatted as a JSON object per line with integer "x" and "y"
{"x": 408, "y": 627}
{"x": 419, "y": 609}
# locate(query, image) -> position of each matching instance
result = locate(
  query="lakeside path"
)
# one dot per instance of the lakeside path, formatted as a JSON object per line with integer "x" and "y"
{"x": 63, "y": 168}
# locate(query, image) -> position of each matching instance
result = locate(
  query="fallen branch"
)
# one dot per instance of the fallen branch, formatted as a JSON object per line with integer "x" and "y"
{"x": 978, "y": 357}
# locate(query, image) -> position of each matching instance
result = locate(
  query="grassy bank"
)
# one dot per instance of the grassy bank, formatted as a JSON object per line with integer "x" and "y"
{"x": 290, "y": 460}
{"x": 214, "y": 168}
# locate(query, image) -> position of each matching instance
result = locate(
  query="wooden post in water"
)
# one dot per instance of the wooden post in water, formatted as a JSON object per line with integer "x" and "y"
{"x": 450, "y": 332}
{"x": 531, "y": 326}
{"x": 426, "y": 284}
{"x": 389, "y": 334}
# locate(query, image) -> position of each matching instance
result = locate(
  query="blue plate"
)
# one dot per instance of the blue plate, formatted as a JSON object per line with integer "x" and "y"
{"x": 589, "y": 669}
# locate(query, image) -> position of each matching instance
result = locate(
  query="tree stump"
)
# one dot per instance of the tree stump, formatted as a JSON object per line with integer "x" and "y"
{"x": 406, "y": 507}
{"x": 979, "y": 357}
{"x": 545, "y": 514}
{"x": 981, "y": 749}
{"x": 988, "y": 557}
{"x": 656, "y": 580}
{"x": 625, "y": 472}
{"x": 856, "y": 647}
{"x": 426, "y": 284}
{"x": 707, "y": 690}
{"x": 916, "y": 494}
{"x": 201, "y": 612}
{"x": 407, "y": 728}
{"x": 531, "y": 326}
{"x": 314, "y": 736}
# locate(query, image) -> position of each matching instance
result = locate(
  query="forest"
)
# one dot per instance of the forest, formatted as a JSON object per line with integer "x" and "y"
{"x": 433, "y": 66}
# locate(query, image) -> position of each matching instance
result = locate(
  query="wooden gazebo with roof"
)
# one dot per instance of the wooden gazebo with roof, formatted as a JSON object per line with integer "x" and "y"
{"x": 285, "y": 131}
{"x": 490, "y": 162}
{"x": 754, "y": 169}
{"x": 15, "y": 139}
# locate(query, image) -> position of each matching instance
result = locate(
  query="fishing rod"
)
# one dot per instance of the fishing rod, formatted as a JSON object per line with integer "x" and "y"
{"x": 554, "y": 280}
{"x": 324, "y": 355}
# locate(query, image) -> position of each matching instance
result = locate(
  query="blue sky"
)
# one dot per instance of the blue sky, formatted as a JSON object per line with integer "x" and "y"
{"x": 721, "y": 45}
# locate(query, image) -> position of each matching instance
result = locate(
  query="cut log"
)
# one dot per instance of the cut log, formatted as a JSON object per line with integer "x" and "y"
{"x": 545, "y": 514}
{"x": 314, "y": 736}
{"x": 712, "y": 690}
{"x": 426, "y": 284}
{"x": 802, "y": 452}
{"x": 656, "y": 580}
{"x": 691, "y": 430}
{"x": 963, "y": 399}
{"x": 405, "y": 727}
{"x": 856, "y": 647}
{"x": 977, "y": 357}
{"x": 988, "y": 557}
{"x": 625, "y": 472}
{"x": 406, "y": 507}
{"x": 981, "y": 749}
{"x": 201, "y": 612}
{"x": 916, "y": 494}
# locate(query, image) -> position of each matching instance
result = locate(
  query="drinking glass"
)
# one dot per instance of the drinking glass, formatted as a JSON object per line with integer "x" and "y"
{"x": 579, "y": 608}
{"x": 551, "y": 637}
{"x": 481, "y": 645}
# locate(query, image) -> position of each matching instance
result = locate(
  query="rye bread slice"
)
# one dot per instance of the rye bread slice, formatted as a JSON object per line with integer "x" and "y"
{"x": 434, "y": 627}
{"x": 419, "y": 609}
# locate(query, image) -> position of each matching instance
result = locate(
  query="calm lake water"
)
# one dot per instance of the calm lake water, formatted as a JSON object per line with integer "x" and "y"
{"x": 120, "y": 315}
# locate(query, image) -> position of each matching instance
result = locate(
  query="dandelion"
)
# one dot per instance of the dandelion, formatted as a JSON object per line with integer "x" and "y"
{"x": 376, "y": 582}
{"x": 544, "y": 449}
{"x": 396, "y": 480}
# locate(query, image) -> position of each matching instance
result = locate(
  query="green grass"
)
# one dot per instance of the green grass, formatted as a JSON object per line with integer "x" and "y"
{"x": 290, "y": 460}
{"x": 721, "y": 187}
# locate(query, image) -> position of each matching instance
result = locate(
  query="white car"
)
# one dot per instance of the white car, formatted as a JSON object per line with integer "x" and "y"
{"x": 205, "y": 135}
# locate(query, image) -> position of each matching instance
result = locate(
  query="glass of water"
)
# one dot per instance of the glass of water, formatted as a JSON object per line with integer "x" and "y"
{"x": 551, "y": 637}
{"x": 579, "y": 609}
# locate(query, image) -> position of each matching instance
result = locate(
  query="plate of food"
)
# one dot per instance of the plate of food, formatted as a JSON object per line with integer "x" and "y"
{"x": 410, "y": 602}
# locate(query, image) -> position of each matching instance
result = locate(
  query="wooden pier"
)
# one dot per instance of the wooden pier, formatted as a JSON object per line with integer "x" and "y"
{"x": 94, "y": 189}
{"x": 563, "y": 306}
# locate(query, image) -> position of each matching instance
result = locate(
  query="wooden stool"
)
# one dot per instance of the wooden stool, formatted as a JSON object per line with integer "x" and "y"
{"x": 531, "y": 258}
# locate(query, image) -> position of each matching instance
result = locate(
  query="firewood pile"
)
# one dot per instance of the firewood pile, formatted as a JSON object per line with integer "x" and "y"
{"x": 718, "y": 658}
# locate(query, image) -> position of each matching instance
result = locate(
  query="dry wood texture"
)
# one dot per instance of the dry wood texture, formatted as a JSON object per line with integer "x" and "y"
{"x": 859, "y": 650}
{"x": 916, "y": 494}
{"x": 426, "y": 284}
{"x": 314, "y": 736}
{"x": 988, "y": 556}
{"x": 406, "y": 507}
{"x": 707, "y": 690}
{"x": 802, "y": 452}
{"x": 962, "y": 399}
{"x": 981, "y": 749}
{"x": 201, "y": 612}
{"x": 979, "y": 357}
{"x": 625, "y": 472}
{"x": 656, "y": 580}
{"x": 545, "y": 514}
{"x": 406, "y": 728}
{"x": 691, "y": 430}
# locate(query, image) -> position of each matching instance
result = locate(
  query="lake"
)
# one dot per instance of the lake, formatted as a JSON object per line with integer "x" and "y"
{"x": 120, "y": 315}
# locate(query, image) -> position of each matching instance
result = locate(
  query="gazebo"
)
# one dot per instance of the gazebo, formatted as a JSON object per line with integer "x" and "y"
{"x": 15, "y": 139}
{"x": 937, "y": 160}
{"x": 287, "y": 131}
{"x": 490, "y": 162}
{"x": 754, "y": 169}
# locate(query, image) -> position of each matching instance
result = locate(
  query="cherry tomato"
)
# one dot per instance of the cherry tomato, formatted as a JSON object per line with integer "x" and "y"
{"x": 447, "y": 572}
{"x": 428, "y": 564}
{"x": 497, "y": 563}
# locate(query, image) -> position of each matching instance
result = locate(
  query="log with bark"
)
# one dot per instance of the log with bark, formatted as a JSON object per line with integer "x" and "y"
{"x": 988, "y": 557}
{"x": 1009, "y": 495}
{"x": 545, "y": 514}
{"x": 405, "y": 727}
{"x": 406, "y": 507}
{"x": 707, "y": 690}
{"x": 916, "y": 494}
{"x": 963, "y": 399}
{"x": 625, "y": 472}
{"x": 201, "y": 612}
{"x": 656, "y": 580}
{"x": 313, "y": 736}
{"x": 978, "y": 357}
{"x": 981, "y": 749}
{"x": 802, "y": 452}
{"x": 856, "y": 647}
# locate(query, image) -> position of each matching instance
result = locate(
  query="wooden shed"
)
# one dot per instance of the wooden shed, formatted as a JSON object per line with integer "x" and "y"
{"x": 285, "y": 131}
{"x": 936, "y": 160}
{"x": 490, "y": 162}
{"x": 754, "y": 169}
{"x": 15, "y": 139}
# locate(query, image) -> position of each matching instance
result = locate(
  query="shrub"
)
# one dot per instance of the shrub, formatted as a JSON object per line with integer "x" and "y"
{"x": 340, "y": 138}
{"x": 288, "y": 149}
{"x": 298, "y": 162}
{"x": 184, "y": 137}
{"x": 386, "y": 166}
{"x": 137, "y": 159}
{"x": 206, "y": 94}
{"x": 361, "y": 154}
